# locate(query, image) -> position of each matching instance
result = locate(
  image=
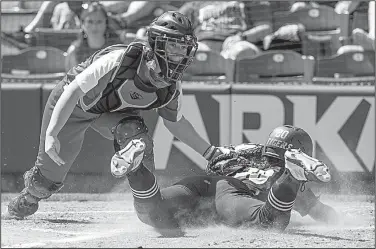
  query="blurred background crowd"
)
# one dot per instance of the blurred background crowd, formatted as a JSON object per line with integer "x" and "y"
{"x": 238, "y": 40}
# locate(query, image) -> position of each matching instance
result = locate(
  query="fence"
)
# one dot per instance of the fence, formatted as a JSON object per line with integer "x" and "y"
{"x": 338, "y": 112}
{"x": 341, "y": 119}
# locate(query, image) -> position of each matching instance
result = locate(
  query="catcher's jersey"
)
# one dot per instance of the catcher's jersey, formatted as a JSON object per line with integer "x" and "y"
{"x": 112, "y": 82}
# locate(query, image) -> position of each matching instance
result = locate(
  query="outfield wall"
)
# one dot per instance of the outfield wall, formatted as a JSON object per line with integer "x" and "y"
{"x": 340, "y": 118}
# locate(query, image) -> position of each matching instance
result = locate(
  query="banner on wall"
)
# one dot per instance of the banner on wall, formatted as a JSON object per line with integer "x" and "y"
{"x": 341, "y": 120}
{"x": 207, "y": 107}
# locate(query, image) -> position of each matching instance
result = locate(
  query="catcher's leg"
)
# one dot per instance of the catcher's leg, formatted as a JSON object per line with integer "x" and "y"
{"x": 134, "y": 158}
{"x": 37, "y": 187}
{"x": 46, "y": 177}
{"x": 133, "y": 145}
{"x": 150, "y": 207}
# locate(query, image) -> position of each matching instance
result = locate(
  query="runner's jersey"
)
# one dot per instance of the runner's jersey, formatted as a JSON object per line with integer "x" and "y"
{"x": 111, "y": 81}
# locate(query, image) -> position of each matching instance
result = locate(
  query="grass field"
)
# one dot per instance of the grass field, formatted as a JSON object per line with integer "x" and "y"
{"x": 108, "y": 220}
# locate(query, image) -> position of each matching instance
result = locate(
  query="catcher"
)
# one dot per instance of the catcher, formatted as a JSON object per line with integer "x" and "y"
{"x": 249, "y": 185}
{"x": 107, "y": 92}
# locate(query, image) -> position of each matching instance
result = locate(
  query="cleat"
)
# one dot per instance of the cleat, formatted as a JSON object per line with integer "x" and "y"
{"x": 128, "y": 159}
{"x": 21, "y": 206}
{"x": 305, "y": 168}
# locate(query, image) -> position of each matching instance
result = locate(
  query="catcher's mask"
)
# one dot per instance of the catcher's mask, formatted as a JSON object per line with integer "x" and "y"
{"x": 173, "y": 41}
{"x": 287, "y": 137}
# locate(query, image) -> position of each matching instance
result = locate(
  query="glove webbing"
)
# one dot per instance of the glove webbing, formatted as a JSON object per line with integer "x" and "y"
{"x": 236, "y": 162}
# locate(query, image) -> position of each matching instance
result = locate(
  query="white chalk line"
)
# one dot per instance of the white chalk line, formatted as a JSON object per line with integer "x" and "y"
{"x": 57, "y": 231}
{"x": 86, "y": 212}
{"x": 82, "y": 212}
{"x": 92, "y": 236}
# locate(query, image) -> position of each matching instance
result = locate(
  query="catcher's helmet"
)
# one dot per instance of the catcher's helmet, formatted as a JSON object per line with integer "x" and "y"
{"x": 172, "y": 29}
{"x": 287, "y": 137}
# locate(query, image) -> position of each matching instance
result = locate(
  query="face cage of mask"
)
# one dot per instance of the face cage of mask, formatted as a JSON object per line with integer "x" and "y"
{"x": 174, "y": 69}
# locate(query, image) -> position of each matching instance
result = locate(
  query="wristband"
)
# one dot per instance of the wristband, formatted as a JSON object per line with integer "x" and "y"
{"x": 209, "y": 152}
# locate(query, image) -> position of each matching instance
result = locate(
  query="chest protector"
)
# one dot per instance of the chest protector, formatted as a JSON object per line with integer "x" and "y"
{"x": 125, "y": 73}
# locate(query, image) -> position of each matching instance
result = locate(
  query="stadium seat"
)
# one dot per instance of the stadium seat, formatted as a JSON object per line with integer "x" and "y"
{"x": 360, "y": 20}
{"x": 322, "y": 18}
{"x": 13, "y": 19}
{"x": 35, "y": 60}
{"x": 49, "y": 37}
{"x": 210, "y": 65}
{"x": 140, "y": 22}
{"x": 276, "y": 64}
{"x": 325, "y": 29}
{"x": 321, "y": 43}
{"x": 350, "y": 64}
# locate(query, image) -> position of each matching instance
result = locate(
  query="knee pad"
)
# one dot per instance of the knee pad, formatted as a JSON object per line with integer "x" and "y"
{"x": 39, "y": 186}
{"x": 131, "y": 128}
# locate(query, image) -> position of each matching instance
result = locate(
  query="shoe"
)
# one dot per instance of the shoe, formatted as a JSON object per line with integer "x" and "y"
{"x": 22, "y": 206}
{"x": 128, "y": 159}
{"x": 305, "y": 168}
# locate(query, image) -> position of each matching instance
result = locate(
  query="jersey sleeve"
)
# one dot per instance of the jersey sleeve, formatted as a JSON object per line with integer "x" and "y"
{"x": 105, "y": 65}
{"x": 172, "y": 111}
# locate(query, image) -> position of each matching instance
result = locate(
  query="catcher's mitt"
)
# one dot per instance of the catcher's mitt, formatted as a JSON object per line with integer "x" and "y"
{"x": 240, "y": 158}
{"x": 245, "y": 162}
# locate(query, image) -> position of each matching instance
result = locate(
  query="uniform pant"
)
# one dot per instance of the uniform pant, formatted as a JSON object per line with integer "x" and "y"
{"x": 224, "y": 199}
{"x": 71, "y": 135}
{"x": 194, "y": 199}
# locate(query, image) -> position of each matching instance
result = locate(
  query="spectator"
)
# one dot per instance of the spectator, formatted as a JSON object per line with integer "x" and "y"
{"x": 140, "y": 13}
{"x": 259, "y": 20}
{"x": 353, "y": 8}
{"x": 60, "y": 15}
{"x": 288, "y": 37}
{"x": 362, "y": 37}
{"x": 63, "y": 17}
{"x": 49, "y": 16}
{"x": 95, "y": 35}
{"x": 235, "y": 48}
{"x": 242, "y": 23}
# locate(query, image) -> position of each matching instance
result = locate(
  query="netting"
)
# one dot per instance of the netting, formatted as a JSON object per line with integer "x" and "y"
{"x": 241, "y": 41}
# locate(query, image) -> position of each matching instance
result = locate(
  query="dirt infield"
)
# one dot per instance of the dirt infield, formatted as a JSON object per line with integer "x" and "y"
{"x": 108, "y": 220}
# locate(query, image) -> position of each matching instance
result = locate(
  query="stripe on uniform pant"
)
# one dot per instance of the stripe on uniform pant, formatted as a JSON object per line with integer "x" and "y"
{"x": 143, "y": 194}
